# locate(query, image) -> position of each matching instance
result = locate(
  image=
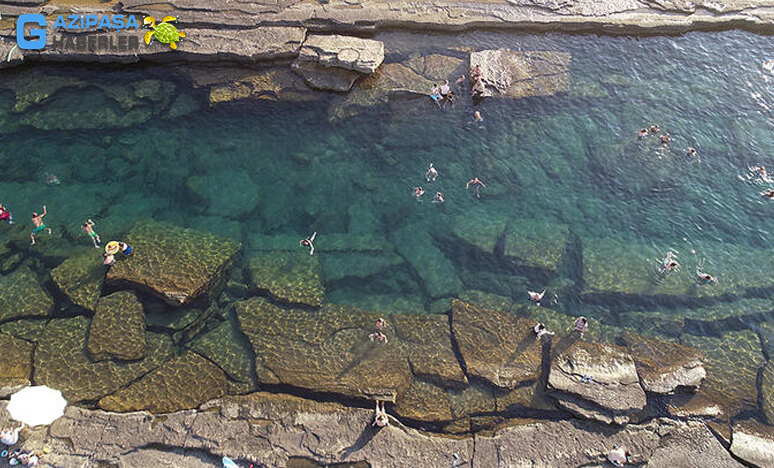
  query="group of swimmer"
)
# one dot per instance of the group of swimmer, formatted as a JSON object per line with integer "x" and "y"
{"x": 432, "y": 174}
{"x": 443, "y": 94}
{"x": 16, "y": 457}
{"x": 760, "y": 175}
{"x": 669, "y": 264}
{"x": 665, "y": 139}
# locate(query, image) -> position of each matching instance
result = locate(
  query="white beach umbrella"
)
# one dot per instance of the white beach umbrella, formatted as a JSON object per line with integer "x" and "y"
{"x": 36, "y": 406}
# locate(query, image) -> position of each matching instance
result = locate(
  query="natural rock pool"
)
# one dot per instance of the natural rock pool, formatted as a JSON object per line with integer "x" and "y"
{"x": 574, "y": 203}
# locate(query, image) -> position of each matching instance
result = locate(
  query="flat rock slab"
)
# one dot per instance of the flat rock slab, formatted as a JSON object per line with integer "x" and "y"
{"x": 753, "y": 442}
{"x": 498, "y": 347}
{"x": 325, "y": 78}
{"x": 323, "y": 351}
{"x": 428, "y": 344}
{"x": 184, "y": 382}
{"x": 424, "y": 401}
{"x": 229, "y": 193}
{"x": 619, "y": 267}
{"x": 732, "y": 364}
{"x": 613, "y": 394}
{"x": 16, "y": 364}
{"x": 536, "y": 244}
{"x": 22, "y": 296}
{"x": 435, "y": 270}
{"x": 61, "y": 362}
{"x": 515, "y": 74}
{"x": 228, "y": 349}
{"x": 80, "y": 278}
{"x": 288, "y": 276}
{"x": 117, "y": 330}
{"x": 338, "y": 265}
{"x": 663, "y": 365}
{"x": 479, "y": 229}
{"x": 173, "y": 263}
{"x": 350, "y": 53}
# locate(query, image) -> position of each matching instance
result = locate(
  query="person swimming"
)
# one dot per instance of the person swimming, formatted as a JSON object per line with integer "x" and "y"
{"x": 654, "y": 129}
{"x": 768, "y": 193}
{"x": 308, "y": 242}
{"x": 5, "y": 215}
{"x": 37, "y": 221}
{"x": 476, "y": 184}
{"x": 418, "y": 192}
{"x": 642, "y": 133}
{"x": 668, "y": 264}
{"x": 431, "y": 174}
{"x": 477, "y": 116}
{"x": 536, "y": 296}
{"x": 438, "y": 198}
{"x": 704, "y": 278}
{"x": 51, "y": 179}
{"x": 88, "y": 227}
{"x": 665, "y": 139}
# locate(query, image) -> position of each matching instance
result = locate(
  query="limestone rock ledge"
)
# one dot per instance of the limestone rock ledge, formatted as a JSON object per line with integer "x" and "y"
{"x": 269, "y": 429}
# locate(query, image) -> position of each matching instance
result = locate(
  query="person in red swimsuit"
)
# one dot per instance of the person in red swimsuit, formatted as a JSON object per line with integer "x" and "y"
{"x": 5, "y": 215}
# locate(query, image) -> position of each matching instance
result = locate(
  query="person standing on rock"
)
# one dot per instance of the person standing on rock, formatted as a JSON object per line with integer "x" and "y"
{"x": 580, "y": 325}
{"x": 618, "y": 455}
{"x": 37, "y": 221}
{"x": 380, "y": 416}
{"x": 309, "y": 242}
{"x": 541, "y": 331}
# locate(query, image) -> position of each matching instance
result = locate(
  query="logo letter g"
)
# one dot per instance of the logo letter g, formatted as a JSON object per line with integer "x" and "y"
{"x": 38, "y": 35}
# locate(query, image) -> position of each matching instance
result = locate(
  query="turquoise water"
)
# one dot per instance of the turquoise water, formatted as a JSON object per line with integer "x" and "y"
{"x": 260, "y": 168}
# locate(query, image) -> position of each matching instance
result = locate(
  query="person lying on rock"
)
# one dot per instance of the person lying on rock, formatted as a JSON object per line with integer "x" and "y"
{"x": 618, "y": 455}
{"x": 10, "y": 436}
{"x": 380, "y": 416}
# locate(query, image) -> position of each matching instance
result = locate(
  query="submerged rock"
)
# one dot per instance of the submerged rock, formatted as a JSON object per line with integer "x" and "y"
{"x": 611, "y": 396}
{"x": 231, "y": 84}
{"x": 479, "y": 229}
{"x": 732, "y": 364}
{"x": 80, "y": 278}
{"x": 22, "y": 296}
{"x": 498, "y": 347}
{"x": 662, "y": 365}
{"x": 61, "y": 362}
{"x": 117, "y": 330}
{"x": 536, "y": 244}
{"x": 229, "y": 193}
{"x": 292, "y": 277}
{"x": 350, "y": 53}
{"x": 323, "y": 351}
{"x": 515, "y": 74}
{"x": 227, "y": 348}
{"x": 754, "y": 443}
{"x": 319, "y": 76}
{"x": 16, "y": 364}
{"x": 433, "y": 267}
{"x": 184, "y": 382}
{"x": 176, "y": 264}
{"x": 767, "y": 392}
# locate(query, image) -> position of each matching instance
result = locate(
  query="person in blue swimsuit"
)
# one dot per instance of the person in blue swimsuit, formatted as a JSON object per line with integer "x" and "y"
{"x": 435, "y": 94}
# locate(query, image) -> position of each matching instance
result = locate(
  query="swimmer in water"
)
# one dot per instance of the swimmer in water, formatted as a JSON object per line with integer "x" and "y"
{"x": 418, "y": 192}
{"x": 668, "y": 264}
{"x": 37, "y": 221}
{"x": 642, "y": 133}
{"x": 692, "y": 153}
{"x": 5, "y": 215}
{"x": 665, "y": 139}
{"x": 476, "y": 184}
{"x": 768, "y": 193}
{"x": 88, "y": 227}
{"x": 51, "y": 179}
{"x": 431, "y": 174}
{"x": 309, "y": 242}
{"x": 704, "y": 278}
{"x": 438, "y": 198}
{"x": 536, "y": 296}
{"x": 477, "y": 116}
{"x": 654, "y": 129}
{"x": 460, "y": 80}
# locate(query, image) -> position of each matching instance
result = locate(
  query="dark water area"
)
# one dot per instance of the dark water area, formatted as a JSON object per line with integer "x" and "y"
{"x": 592, "y": 209}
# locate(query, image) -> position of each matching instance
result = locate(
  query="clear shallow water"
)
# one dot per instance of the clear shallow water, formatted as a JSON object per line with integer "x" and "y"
{"x": 571, "y": 159}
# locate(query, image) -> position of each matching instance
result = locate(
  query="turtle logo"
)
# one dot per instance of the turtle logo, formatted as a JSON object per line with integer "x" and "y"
{"x": 164, "y": 32}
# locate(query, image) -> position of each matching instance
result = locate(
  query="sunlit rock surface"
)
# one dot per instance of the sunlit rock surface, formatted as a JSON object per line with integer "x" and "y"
{"x": 117, "y": 329}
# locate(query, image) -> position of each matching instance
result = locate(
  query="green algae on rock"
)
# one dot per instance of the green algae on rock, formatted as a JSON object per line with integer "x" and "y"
{"x": 732, "y": 364}
{"x": 16, "y": 364}
{"x": 22, "y": 296}
{"x": 228, "y": 193}
{"x": 62, "y": 362}
{"x": 174, "y": 263}
{"x": 479, "y": 229}
{"x": 117, "y": 330}
{"x": 498, "y": 347}
{"x": 327, "y": 350}
{"x": 80, "y": 278}
{"x": 536, "y": 244}
{"x": 184, "y": 382}
{"x": 293, "y": 277}
{"x": 662, "y": 365}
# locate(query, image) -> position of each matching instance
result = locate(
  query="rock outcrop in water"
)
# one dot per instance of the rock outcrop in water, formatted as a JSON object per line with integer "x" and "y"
{"x": 16, "y": 364}
{"x": 663, "y": 366}
{"x": 117, "y": 330}
{"x": 176, "y": 264}
{"x": 509, "y": 73}
{"x": 753, "y": 442}
{"x": 22, "y": 296}
{"x": 80, "y": 278}
{"x": 612, "y": 394}
{"x": 334, "y": 62}
{"x": 288, "y": 276}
